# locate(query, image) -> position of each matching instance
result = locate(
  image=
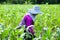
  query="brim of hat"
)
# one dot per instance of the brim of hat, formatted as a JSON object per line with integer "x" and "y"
{"x": 36, "y": 12}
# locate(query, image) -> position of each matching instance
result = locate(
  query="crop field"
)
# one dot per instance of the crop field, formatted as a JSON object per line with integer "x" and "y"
{"x": 46, "y": 27}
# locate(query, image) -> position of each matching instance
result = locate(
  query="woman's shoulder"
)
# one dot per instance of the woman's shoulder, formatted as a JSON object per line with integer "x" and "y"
{"x": 27, "y": 16}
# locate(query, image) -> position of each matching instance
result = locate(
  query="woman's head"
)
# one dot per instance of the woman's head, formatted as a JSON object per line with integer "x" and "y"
{"x": 35, "y": 10}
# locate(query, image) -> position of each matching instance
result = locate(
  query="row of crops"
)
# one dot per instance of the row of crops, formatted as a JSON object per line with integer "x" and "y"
{"x": 47, "y": 25}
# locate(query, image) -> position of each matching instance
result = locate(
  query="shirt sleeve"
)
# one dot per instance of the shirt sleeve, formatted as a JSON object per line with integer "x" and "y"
{"x": 22, "y": 22}
{"x": 31, "y": 30}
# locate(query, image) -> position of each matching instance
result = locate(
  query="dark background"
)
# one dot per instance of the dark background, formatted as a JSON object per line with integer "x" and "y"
{"x": 29, "y": 1}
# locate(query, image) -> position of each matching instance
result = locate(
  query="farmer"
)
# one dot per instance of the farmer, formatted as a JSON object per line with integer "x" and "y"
{"x": 29, "y": 19}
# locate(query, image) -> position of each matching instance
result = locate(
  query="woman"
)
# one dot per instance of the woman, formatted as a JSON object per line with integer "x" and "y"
{"x": 29, "y": 19}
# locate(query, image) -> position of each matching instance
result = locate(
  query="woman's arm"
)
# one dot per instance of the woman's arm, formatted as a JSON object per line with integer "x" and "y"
{"x": 21, "y": 24}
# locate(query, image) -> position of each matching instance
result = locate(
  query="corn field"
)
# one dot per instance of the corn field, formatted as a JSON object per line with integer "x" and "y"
{"x": 47, "y": 25}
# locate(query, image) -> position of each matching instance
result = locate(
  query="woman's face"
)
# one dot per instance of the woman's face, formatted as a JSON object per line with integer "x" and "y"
{"x": 34, "y": 14}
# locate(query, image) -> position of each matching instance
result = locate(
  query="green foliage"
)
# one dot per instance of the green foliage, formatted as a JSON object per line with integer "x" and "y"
{"x": 46, "y": 25}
